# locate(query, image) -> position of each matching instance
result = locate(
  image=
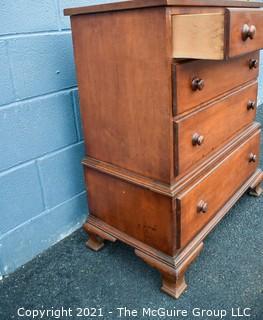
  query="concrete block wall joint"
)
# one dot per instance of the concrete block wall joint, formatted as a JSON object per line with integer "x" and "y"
{"x": 41, "y": 178}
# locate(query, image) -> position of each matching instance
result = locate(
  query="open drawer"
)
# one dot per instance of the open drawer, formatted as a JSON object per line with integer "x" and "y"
{"x": 217, "y": 35}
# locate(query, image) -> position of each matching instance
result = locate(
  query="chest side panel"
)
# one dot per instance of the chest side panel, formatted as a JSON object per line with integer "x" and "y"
{"x": 124, "y": 76}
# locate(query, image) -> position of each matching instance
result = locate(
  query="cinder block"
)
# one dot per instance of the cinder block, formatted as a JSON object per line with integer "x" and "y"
{"x": 77, "y": 114}
{"x": 7, "y": 93}
{"x": 65, "y": 21}
{"x": 20, "y": 196}
{"x": 35, "y": 127}
{"x": 33, "y": 237}
{"x": 21, "y": 16}
{"x": 62, "y": 174}
{"x": 42, "y": 64}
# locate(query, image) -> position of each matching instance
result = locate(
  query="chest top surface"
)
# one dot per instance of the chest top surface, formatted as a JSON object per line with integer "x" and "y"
{"x": 134, "y": 4}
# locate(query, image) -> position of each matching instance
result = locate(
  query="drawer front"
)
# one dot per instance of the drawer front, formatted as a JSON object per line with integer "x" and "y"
{"x": 245, "y": 31}
{"x": 201, "y": 202}
{"x": 217, "y": 77}
{"x": 198, "y": 35}
{"x": 217, "y": 35}
{"x": 201, "y": 132}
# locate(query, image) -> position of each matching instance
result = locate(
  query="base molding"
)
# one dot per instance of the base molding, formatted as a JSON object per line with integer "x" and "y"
{"x": 255, "y": 188}
{"x": 256, "y": 192}
{"x": 96, "y": 237}
{"x": 172, "y": 268}
{"x": 173, "y": 279}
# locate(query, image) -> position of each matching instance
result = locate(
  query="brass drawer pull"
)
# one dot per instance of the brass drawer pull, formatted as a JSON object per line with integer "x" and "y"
{"x": 197, "y": 139}
{"x": 253, "y": 63}
{"x": 251, "y": 105}
{"x": 248, "y": 32}
{"x": 252, "y": 157}
{"x": 198, "y": 84}
{"x": 202, "y": 207}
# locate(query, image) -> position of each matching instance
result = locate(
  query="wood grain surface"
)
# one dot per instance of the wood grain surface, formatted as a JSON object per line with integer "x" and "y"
{"x": 216, "y": 122}
{"x": 140, "y": 213}
{"x": 124, "y": 5}
{"x": 218, "y": 76}
{"x": 124, "y": 77}
{"x": 215, "y": 189}
{"x": 199, "y": 36}
{"x": 237, "y": 18}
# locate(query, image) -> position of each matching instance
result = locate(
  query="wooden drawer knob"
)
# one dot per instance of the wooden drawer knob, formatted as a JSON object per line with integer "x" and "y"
{"x": 202, "y": 207}
{"x": 248, "y": 32}
{"x": 252, "y": 157}
{"x": 198, "y": 84}
{"x": 197, "y": 139}
{"x": 251, "y": 105}
{"x": 253, "y": 63}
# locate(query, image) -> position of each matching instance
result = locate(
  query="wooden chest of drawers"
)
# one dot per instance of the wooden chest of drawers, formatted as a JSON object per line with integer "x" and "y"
{"x": 168, "y": 96}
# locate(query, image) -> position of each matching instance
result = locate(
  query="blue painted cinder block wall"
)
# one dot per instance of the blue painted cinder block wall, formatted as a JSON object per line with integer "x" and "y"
{"x": 42, "y": 197}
